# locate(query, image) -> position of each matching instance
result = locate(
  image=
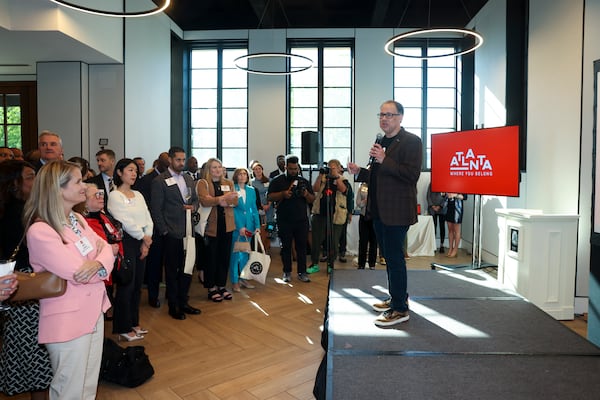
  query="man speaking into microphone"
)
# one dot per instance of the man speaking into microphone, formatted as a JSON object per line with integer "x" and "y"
{"x": 392, "y": 203}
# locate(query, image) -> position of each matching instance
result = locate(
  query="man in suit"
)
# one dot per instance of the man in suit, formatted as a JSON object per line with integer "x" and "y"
{"x": 154, "y": 260}
{"x": 280, "y": 167}
{"x": 106, "y": 167}
{"x": 168, "y": 207}
{"x": 50, "y": 147}
{"x": 392, "y": 203}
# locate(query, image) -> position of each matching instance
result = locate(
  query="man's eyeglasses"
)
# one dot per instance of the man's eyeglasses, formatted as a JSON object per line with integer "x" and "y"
{"x": 99, "y": 194}
{"x": 386, "y": 115}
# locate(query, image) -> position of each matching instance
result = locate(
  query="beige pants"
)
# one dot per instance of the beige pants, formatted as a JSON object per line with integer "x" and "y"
{"x": 76, "y": 365}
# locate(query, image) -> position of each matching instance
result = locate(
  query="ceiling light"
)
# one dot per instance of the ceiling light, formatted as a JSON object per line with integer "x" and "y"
{"x": 435, "y": 33}
{"x": 308, "y": 63}
{"x": 111, "y": 13}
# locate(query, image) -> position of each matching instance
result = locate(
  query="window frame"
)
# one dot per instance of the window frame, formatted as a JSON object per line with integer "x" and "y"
{"x": 459, "y": 95}
{"x": 219, "y": 46}
{"x": 320, "y": 45}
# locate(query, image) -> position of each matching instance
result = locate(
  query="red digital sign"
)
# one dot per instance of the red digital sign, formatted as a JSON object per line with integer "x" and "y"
{"x": 483, "y": 161}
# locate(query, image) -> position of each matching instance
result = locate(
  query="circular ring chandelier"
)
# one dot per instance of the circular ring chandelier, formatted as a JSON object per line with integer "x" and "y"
{"x": 478, "y": 41}
{"x": 112, "y": 13}
{"x": 285, "y": 56}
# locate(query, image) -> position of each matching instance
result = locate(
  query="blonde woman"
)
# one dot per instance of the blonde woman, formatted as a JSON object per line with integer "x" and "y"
{"x": 217, "y": 192}
{"x": 60, "y": 241}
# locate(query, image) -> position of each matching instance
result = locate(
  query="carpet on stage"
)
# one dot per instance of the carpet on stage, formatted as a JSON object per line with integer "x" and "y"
{"x": 467, "y": 338}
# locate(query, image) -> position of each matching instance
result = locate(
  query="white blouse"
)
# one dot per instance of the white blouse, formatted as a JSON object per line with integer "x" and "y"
{"x": 132, "y": 213}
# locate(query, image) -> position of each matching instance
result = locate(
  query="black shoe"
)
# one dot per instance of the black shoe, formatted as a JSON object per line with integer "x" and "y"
{"x": 190, "y": 310}
{"x": 323, "y": 259}
{"x": 343, "y": 259}
{"x": 442, "y": 250}
{"x": 155, "y": 303}
{"x": 176, "y": 314}
{"x": 363, "y": 267}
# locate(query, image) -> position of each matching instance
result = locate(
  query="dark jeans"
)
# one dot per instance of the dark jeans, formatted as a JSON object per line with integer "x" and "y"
{"x": 178, "y": 283}
{"x": 154, "y": 265}
{"x": 126, "y": 306}
{"x": 366, "y": 239}
{"x": 391, "y": 239}
{"x": 296, "y": 231}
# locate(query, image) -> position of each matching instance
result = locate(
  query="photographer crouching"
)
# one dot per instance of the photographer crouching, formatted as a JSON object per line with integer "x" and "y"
{"x": 329, "y": 213}
{"x": 293, "y": 194}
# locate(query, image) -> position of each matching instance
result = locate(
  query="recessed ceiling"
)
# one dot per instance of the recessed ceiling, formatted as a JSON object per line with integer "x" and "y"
{"x": 255, "y": 14}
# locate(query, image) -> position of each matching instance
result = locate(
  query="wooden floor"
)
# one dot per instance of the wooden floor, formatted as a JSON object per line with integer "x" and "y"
{"x": 264, "y": 344}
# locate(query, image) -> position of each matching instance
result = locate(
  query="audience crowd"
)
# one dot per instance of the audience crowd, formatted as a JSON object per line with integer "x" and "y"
{"x": 90, "y": 225}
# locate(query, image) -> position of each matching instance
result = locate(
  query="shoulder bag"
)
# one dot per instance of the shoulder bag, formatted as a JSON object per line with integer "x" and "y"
{"x": 36, "y": 285}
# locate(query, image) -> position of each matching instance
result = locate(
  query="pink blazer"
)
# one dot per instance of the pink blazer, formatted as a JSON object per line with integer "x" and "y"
{"x": 75, "y": 313}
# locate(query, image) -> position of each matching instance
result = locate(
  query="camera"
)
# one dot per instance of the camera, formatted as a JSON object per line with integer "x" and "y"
{"x": 325, "y": 170}
{"x": 299, "y": 189}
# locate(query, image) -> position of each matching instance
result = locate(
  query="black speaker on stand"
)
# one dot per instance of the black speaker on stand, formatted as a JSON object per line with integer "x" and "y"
{"x": 311, "y": 148}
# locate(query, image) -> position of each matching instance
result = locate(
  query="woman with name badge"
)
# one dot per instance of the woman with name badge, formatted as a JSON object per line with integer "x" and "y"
{"x": 60, "y": 241}
{"x": 217, "y": 192}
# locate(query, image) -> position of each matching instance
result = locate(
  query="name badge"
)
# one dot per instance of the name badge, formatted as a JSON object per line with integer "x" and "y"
{"x": 225, "y": 188}
{"x": 84, "y": 246}
{"x": 171, "y": 181}
{"x": 266, "y": 184}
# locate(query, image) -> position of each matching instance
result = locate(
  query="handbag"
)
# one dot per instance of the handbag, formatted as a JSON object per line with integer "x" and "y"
{"x": 129, "y": 366}
{"x": 258, "y": 263}
{"x": 123, "y": 271}
{"x": 38, "y": 285}
{"x": 241, "y": 246}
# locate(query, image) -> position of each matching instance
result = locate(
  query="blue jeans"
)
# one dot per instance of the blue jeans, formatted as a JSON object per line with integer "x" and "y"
{"x": 391, "y": 241}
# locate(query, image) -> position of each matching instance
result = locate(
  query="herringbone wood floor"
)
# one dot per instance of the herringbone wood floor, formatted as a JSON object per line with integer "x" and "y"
{"x": 264, "y": 344}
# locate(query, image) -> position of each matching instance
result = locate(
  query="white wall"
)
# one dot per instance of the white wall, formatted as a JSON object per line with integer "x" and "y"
{"x": 591, "y": 52}
{"x": 62, "y": 102}
{"x": 147, "y": 87}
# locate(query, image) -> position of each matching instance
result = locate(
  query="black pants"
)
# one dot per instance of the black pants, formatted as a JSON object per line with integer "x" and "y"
{"x": 366, "y": 238}
{"x": 219, "y": 254}
{"x": 126, "y": 306}
{"x": 178, "y": 283}
{"x": 154, "y": 265}
{"x": 293, "y": 231}
{"x": 440, "y": 220}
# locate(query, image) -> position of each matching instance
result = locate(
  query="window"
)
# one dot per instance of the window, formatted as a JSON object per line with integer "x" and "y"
{"x": 218, "y": 105}
{"x": 429, "y": 90}
{"x": 321, "y": 99}
{"x": 10, "y": 120}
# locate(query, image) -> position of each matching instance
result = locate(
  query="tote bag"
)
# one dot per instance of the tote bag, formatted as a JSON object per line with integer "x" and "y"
{"x": 203, "y": 213}
{"x": 189, "y": 244}
{"x": 258, "y": 263}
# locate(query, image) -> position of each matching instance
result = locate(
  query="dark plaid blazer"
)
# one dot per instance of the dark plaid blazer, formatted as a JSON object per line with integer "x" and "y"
{"x": 397, "y": 180}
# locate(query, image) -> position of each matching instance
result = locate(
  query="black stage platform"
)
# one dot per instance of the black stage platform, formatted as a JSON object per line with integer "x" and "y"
{"x": 466, "y": 339}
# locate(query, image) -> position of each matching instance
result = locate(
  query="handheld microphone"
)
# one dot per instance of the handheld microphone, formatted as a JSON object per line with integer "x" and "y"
{"x": 378, "y": 139}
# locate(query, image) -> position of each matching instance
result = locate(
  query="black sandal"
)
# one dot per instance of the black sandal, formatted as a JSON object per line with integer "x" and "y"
{"x": 215, "y": 296}
{"x": 225, "y": 294}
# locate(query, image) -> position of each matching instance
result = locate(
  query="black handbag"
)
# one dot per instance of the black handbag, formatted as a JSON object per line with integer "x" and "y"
{"x": 129, "y": 366}
{"x": 123, "y": 270}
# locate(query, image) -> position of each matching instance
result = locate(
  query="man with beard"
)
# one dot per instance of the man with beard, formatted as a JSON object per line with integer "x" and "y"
{"x": 292, "y": 193}
{"x": 168, "y": 207}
